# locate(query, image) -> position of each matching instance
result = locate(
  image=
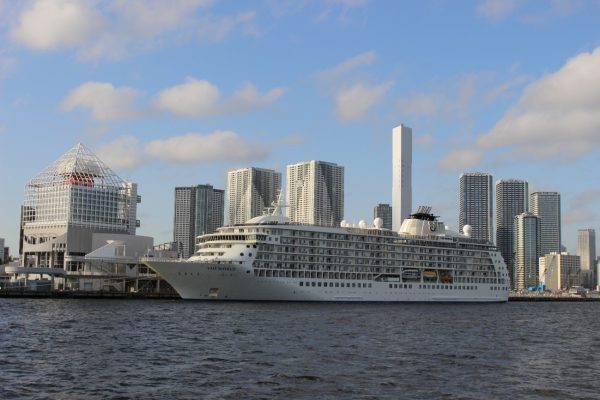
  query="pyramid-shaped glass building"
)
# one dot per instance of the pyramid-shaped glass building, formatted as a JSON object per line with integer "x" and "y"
{"x": 70, "y": 199}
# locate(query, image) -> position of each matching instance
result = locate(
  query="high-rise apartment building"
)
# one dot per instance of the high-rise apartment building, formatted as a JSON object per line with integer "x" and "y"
{"x": 198, "y": 211}
{"x": 384, "y": 211}
{"x": 512, "y": 196}
{"x": 315, "y": 193}
{"x": 586, "y": 249}
{"x": 401, "y": 175}
{"x": 559, "y": 271}
{"x": 73, "y": 199}
{"x": 250, "y": 191}
{"x": 527, "y": 251}
{"x": 546, "y": 205}
{"x": 476, "y": 205}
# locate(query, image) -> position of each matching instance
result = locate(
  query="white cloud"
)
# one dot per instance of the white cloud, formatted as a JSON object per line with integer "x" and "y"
{"x": 424, "y": 140}
{"x": 110, "y": 29}
{"x": 496, "y": 9}
{"x": 249, "y": 98}
{"x": 421, "y": 105}
{"x": 199, "y": 148}
{"x": 194, "y": 98}
{"x": 200, "y": 98}
{"x": 215, "y": 30}
{"x": 103, "y": 100}
{"x": 347, "y": 66}
{"x": 557, "y": 115}
{"x": 461, "y": 159}
{"x": 121, "y": 154}
{"x": 504, "y": 88}
{"x": 354, "y": 102}
{"x": 55, "y": 24}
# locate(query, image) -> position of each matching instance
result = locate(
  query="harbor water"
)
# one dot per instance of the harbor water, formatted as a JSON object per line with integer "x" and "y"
{"x": 172, "y": 349}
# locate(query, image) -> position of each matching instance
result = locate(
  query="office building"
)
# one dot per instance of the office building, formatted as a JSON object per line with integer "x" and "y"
{"x": 586, "y": 249}
{"x": 512, "y": 196}
{"x": 315, "y": 193}
{"x": 198, "y": 211}
{"x": 559, "y": 271}
{"x": 384, "y": 211}
{"x": 401, "y": 175}
{"x": 527, "y": 251}
{"x": 250, "y": 191}
{"x": 546, "y": 205}
{"x": 476, "y": 205}
{"x": 2, "y": 255}
{"x": 73, "y": 199}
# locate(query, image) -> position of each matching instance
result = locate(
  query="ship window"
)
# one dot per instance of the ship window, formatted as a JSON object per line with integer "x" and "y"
{"x": 330, "y": 284}
{"x": 337, "y": 284}
{"x": 313, "y": 284}
{"x": 319, "y": 284}
{"x": 250, "y": 254}
{"x": 301, "y": 283}
{"x": 242, "y": 254}
{"x": 369, "y": 285}
{"x": 353, "y": 285}
{"x": 390, "y": 285}
{"x": 342, "y": 284}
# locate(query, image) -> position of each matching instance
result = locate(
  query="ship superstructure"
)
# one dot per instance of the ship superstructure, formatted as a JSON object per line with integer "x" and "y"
{"x": 270, "y": 258}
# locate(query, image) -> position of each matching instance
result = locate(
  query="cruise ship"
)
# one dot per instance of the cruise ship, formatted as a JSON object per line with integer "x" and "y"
{"x": 269, "y": 258}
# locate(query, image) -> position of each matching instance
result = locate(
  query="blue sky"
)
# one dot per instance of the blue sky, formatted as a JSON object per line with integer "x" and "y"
{"x": 177, "y": 93}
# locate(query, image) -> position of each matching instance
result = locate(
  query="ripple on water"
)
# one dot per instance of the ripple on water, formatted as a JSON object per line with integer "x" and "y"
{"x": 98, "y": 349}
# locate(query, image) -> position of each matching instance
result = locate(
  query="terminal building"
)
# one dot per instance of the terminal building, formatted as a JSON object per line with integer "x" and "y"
{"x": 78, "y": 228}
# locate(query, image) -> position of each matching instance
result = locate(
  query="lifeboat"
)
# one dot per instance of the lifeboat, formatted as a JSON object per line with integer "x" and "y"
{"x": 429, "y": 274}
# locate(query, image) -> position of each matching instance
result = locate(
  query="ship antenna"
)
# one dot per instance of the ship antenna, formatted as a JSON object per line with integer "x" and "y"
{"x": 277, "y": 205}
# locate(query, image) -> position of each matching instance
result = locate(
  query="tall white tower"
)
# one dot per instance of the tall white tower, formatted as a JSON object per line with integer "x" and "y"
{"x": 401, "y": 175}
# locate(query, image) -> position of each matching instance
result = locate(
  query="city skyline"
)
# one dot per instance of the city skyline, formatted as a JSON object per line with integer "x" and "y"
{"x": 165, "y": 106}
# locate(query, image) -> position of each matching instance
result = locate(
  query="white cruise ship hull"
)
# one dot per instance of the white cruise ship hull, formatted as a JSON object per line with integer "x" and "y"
{"x": 219, "y": 281}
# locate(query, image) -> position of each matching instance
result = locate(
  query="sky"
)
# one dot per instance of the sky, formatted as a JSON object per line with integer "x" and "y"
{"x": 176, "y": 93}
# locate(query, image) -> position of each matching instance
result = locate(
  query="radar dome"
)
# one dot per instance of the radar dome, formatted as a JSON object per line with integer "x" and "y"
{"x": 378, "y": 222}
{"x": 362, "y": 224}
{"x": 467, "y": 230}
{"x": 344, "y": 223}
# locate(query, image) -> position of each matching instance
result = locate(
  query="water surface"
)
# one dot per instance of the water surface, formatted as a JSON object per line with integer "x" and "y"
{"x": 158, "y": 349}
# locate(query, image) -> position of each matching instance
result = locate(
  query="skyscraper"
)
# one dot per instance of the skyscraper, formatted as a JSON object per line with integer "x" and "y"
{"x": 69, "y": 202}
{"x": 198, "y": 211}
{"x": 586, "y": 249}
{"x": 315, "y": 193}
{"x": 249, "y": 192}
{"x": 2, "y": 256}
{"x": 401, "y": 175}
{"x": 546, "y": 205}
{"x": 527, "y": 251}
{"x": 512, "y": 196}
{"x": 384, "y": 211}
{"x": 476, "y": 204}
